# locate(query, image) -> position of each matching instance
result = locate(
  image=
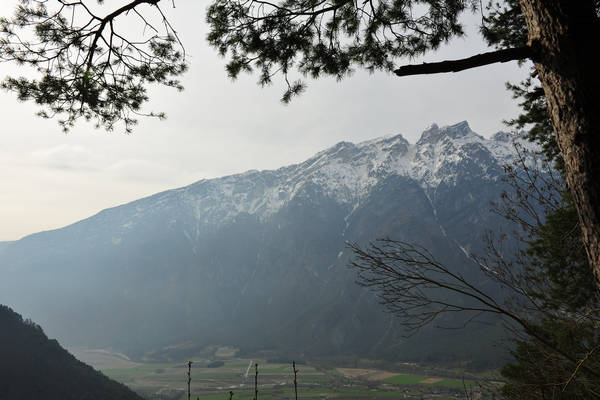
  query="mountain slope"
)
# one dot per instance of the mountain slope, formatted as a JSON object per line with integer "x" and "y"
{"x": 32, "y": 366}
{"x": 259, "y": 259}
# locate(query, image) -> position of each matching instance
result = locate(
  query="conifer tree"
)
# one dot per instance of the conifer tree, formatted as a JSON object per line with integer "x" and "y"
{"x": 557, "y": 342}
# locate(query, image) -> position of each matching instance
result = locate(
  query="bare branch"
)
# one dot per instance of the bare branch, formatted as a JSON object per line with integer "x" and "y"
{"x": 417, "y": 288}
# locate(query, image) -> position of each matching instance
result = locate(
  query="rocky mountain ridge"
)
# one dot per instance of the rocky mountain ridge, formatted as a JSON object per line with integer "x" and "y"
{"x": 346, "y": 173}
{"x": 263, "y": 251}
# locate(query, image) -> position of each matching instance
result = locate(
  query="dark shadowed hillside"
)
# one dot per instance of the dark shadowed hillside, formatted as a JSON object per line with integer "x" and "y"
{"x": 35, "y": 367}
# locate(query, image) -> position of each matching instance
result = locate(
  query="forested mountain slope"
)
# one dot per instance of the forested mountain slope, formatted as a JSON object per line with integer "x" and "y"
{"x": 35, "y": 367}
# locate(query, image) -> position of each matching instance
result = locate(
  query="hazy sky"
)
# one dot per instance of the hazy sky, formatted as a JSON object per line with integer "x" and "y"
{"x": 217, "y": 127}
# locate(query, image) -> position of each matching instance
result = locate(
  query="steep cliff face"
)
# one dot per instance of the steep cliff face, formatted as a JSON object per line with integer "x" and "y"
{"x": 259, "y": 259}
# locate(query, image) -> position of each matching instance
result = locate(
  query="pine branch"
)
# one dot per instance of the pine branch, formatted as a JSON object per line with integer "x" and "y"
{"x": 108, "y": 19}
{"x": 479, "y": 60}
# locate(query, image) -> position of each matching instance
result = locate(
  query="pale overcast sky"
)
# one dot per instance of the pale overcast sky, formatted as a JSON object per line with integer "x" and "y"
{"x": 218, "y": 127}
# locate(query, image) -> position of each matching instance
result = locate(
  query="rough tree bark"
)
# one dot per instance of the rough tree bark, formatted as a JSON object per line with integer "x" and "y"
{"x": 565, "y": 35}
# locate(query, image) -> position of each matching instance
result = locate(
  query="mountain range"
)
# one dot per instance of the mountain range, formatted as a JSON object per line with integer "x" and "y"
{"x": 259, "y": 260}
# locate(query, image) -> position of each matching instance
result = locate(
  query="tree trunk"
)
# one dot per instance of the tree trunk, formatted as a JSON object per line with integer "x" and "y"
{"x": 565, "y": 35}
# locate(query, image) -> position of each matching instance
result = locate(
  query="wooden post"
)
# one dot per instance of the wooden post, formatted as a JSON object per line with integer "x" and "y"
{"x": 256, "y": 381}
{"x": 189, "y": 380}
{"x": 295, "y": 380}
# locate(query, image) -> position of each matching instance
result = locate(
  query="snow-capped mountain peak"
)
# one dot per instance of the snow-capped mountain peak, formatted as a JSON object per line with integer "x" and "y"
{"x": 434, "y": 133}
{"x": 345, "y": 173}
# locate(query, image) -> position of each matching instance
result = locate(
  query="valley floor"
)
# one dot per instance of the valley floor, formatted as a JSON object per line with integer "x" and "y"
{"x": 168, "y": 380}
